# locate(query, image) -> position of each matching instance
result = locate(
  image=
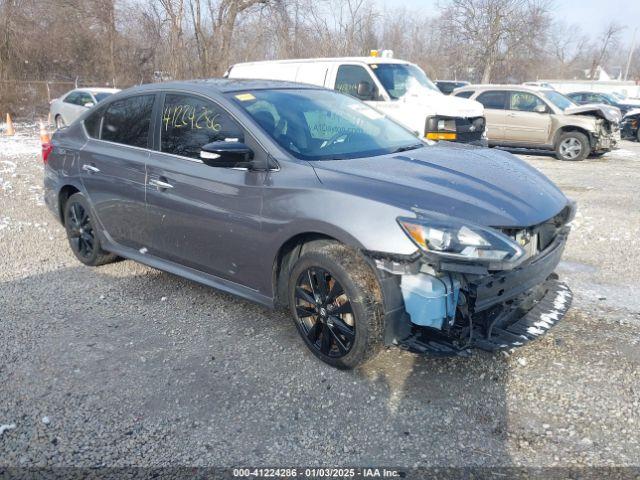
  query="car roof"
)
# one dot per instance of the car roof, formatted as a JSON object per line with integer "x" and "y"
{"x": 96, "y": 90}
{"x": 222, "y": 85}
{"x": 525, "y": 88}
{"x": 367, "y": 60}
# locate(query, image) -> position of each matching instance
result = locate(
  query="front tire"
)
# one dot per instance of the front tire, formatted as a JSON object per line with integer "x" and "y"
{"x": 81, "y": 233}
{"x": 336, "y": 305}
{"x": 572, "y": 147}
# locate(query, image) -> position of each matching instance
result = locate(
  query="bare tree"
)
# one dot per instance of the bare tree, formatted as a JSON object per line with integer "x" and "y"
{"x": 492, "y": 29}
{"x": 608, "y": 40}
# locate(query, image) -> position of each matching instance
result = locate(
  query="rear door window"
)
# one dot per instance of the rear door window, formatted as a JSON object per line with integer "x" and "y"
{"x": 348, "y": 78}
{"x": 466, "y": 94}
{"x": 493, "y": 100}
{"x": 188, "y": 123}
{"x": 72, "y": 98}
{"x": 93, "y": 123}
{"x": 128, "y": 121}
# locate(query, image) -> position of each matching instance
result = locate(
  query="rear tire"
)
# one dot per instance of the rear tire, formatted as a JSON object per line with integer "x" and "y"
{"x": 638, "y": 135}
{"x": 572, "y": 147}
{"x": 336, "y": 304}
{"x": 81, "y": 234}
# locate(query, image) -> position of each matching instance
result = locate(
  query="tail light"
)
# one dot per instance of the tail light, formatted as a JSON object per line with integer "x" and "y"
{"x": 47, "y": 148}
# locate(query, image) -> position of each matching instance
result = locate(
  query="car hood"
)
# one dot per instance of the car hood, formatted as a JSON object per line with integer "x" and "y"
{"x": 484, "y": 186}
{"x": 632, "y": 113}
{"x": 612, "y": 114}
{"x": 445, "y": 105}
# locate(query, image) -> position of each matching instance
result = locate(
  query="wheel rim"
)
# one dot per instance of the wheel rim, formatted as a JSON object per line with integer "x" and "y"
{"x": 324, "y": 313}
{"x": 80, "y": 230}
{"x": 570, "y": 148}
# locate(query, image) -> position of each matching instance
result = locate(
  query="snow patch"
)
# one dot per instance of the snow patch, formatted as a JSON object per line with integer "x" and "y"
{"x": 24, "y": 142}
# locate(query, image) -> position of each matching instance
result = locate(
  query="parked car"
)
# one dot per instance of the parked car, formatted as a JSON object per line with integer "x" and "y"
{"x": 301, "y": 197}
{"x": 448, "y": 86}
{"x": 395, "y": 87}
{"x": 71, "y": 105}
{"x": 585, "y": 98}
{"x": 630, "y": 126}
{"x": 531, "y": 117}
{"x": 539, "y": 84}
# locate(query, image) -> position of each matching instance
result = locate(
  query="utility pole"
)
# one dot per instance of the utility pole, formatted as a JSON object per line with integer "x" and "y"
{"x": 633, "y": 47}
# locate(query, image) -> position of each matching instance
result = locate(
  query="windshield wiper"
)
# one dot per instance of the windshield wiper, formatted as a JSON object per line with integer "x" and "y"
{"x": 408, "y": 147}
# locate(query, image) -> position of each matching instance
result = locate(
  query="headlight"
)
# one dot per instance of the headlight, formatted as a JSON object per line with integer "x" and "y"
{"x": 457, "y": 240}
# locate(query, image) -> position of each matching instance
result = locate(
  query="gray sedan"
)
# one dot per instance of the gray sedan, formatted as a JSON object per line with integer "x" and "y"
{"x": 298, "y": 197}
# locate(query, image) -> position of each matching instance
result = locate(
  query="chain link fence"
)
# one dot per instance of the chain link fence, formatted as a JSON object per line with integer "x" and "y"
{"x": 29, "y": 99}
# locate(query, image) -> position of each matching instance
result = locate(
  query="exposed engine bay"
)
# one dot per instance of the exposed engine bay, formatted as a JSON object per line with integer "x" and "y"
{"x": 448, "y": 308}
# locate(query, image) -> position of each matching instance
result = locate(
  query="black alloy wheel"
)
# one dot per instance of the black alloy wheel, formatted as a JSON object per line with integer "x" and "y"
{"x": 324, "y": 313}
{"x": 80, "y": 230}
{"x": 81, "y": 233}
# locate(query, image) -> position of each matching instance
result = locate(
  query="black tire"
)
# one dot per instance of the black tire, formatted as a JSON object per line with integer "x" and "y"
{"x": 638, "y": 135}
{"x": 352, "y": 321}
{"x": 572, "y": 147}
{"x": 83, "y": 240}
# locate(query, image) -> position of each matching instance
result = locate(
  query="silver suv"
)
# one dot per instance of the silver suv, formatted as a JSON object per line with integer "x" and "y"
{"x": 542, "y": 118}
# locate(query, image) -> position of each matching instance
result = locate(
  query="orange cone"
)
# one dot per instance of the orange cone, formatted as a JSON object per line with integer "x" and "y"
{"x": 10, "y": 128}
{"x": 44, "y": 134}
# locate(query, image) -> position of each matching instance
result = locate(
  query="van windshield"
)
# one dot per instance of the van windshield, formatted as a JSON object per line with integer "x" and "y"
{"x": 324, "y": 125}
{"x": 401, "y": 79}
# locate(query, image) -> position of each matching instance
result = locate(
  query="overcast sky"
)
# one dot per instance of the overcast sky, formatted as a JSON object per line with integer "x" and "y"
{"x": 590, "y": 14}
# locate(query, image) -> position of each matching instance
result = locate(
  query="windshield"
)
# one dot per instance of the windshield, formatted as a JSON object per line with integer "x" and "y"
{"x": 559, "y": 100}
{"x": 322, "y": 125}
{"x": 401, "y": 79}
{"x": 102, "y": 95}
{"x": 610, "y": 98}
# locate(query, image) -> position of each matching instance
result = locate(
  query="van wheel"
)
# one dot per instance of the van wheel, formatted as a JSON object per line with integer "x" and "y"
{"x": 81, "y": 234}
{"x": 336, "y": 304}
{"x": 572, "y": 146}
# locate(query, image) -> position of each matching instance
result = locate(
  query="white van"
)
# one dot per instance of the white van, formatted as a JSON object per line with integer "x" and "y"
{"x": 397, "y": 88}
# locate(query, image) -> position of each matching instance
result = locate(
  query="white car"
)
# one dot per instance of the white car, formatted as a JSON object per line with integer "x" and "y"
{"x": 71, "y": 105}
{"x": 397, "y": 88}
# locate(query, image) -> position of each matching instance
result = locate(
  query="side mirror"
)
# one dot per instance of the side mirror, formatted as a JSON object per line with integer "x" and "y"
{"x": 89, "y": 104}
{"x": 226, "y": 155}
{"x": 365, "y": 91}
{"x": 540, "y": 109}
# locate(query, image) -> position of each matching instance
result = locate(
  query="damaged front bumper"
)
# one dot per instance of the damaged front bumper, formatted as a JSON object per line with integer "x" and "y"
{"x": 461, "y": 311}
{"x": 606, "y": 138}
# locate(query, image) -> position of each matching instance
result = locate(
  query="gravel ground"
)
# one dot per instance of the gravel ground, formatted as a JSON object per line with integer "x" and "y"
{"x": 126, "y": 365}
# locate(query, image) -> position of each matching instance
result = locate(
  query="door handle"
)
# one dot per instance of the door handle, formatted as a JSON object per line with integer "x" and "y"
{"x": 160, "y": 184}
{"x": 90, "y": 168}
